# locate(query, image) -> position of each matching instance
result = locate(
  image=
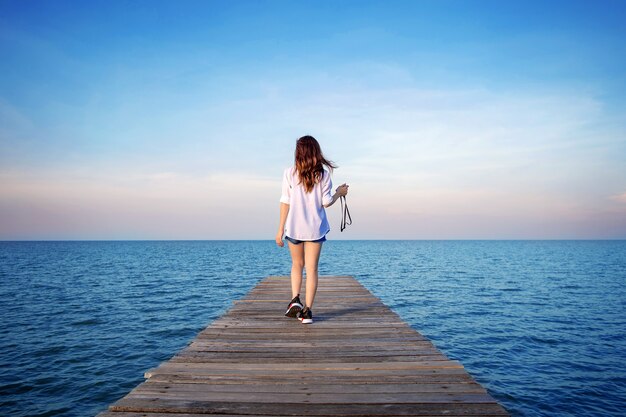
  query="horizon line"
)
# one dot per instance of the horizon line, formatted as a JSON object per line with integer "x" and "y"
{"x": 329, "y": 240}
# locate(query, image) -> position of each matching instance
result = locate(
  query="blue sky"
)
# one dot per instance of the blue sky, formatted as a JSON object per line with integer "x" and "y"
{"x": 450, "y": 120}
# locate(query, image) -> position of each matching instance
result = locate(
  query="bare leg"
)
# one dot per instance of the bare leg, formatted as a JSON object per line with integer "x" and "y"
{"x": 297, "y": 264}
{"x": 311, "y": 259}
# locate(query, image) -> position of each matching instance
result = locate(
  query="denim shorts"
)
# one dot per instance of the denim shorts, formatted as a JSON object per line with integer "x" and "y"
{"x": 297, "y": 242}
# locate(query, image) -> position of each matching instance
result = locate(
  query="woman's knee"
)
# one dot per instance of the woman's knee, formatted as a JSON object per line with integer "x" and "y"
{"x": 311, "y": 269}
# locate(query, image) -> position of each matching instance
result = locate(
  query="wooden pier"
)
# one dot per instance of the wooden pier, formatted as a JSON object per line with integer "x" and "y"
{"x": 358, "y": 358}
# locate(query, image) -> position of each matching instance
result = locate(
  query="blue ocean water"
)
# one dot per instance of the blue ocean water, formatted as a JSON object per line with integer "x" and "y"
{"x": 541, "y": 324}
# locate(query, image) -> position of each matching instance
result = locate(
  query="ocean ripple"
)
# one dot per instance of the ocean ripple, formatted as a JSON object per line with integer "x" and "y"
{"x": 541, "y": 324}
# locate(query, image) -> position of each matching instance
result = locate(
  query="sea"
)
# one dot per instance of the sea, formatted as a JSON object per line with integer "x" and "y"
{"x": 540, "y": 324}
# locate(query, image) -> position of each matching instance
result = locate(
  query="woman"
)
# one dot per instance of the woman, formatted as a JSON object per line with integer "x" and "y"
{"x": 306, "y": 192}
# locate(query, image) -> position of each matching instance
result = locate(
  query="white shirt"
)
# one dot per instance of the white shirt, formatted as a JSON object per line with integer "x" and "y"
{"x": 306, "y": 219}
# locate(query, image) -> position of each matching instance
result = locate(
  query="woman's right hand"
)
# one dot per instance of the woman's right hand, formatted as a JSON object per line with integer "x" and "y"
{"x": 342, "y": 190}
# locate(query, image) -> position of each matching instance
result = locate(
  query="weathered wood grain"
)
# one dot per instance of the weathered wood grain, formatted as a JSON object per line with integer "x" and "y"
{"x": 359, "y": 358}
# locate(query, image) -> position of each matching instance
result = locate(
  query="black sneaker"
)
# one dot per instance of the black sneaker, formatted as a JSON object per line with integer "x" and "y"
{"x": 295, "y": 306}
{"x": 306, "y": 316}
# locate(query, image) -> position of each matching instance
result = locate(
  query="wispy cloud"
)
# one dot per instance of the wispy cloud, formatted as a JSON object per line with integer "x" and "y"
{"x": 504, "y": 131}
{"x": 159, "y": 205}
{"x": 508, "y": 156}
{"x": 621, "y": 198}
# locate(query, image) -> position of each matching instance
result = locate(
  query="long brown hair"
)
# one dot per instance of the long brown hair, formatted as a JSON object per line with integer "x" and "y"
{"x": 310, "y": 162}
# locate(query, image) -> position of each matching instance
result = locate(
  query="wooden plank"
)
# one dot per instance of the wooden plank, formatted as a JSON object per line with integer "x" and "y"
{"x": 307, "y": 409}
{"x": 157, "y": 386}
{"x": 318, "y": 398}
{"x": 358, "y": 359}
{"x": 144, "y": 414}
{"x": 415, "y": 378}
{"x": 307, "y": 366}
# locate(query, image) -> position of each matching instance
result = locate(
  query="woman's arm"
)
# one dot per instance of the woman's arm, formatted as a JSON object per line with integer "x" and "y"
{"x": 340, "y": 192}
{"x": 284, "y": 210}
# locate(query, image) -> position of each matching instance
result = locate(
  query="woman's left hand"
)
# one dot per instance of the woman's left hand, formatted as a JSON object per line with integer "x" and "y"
{"x": 279, "y": 239}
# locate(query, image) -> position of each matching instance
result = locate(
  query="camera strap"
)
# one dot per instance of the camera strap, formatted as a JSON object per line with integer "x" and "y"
{"x": 346, "y": 219}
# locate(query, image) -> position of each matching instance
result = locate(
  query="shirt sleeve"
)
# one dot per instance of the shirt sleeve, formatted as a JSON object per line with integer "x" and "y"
{"x": 286, "y": 194}
{"x": 327, "y": 186}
